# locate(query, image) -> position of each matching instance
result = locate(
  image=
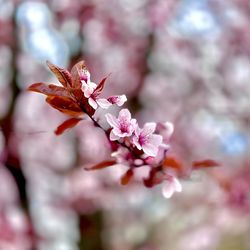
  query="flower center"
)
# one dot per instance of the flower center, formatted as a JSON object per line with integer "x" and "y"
{"x": 84, "y": 76}
{"x": 124, "y": 127}
{"x": 143, "y": 139}
{"x": 113, "y": 99}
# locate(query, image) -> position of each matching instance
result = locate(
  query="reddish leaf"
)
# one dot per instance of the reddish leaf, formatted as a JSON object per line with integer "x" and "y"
{"x": 75, "y": 73}
{"x": 64, "y": 105}
{"x": 62, "y": 75}
{"x": 101, "y": 165}
{"x": 48, "y": 89}
{"x": 173, "y": 163}
{"x": 205, "y": 164}
{"x": 77, "y": 93}
{"x": 100, "y": 86}
{"x": 125, "y": 179}
{"x": 70, "y": 123}
{"x": 82, "y": 100}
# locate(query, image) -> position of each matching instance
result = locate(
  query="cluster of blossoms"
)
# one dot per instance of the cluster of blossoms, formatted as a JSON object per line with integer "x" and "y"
{"x": 131, "y": 145}
{"x": 91, "y": 92}
{"x": 140, "y": 147}
{"x": 137, "y": 147}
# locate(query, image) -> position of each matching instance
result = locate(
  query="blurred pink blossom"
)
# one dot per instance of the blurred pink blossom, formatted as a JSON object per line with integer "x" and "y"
{"x": 170, "y": 186}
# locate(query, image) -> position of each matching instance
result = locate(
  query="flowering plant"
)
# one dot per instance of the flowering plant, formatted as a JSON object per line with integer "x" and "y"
{"x": 131, "y": 145}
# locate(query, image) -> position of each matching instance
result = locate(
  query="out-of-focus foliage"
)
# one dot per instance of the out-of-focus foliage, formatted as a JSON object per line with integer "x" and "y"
{"x": 185, "y": 61}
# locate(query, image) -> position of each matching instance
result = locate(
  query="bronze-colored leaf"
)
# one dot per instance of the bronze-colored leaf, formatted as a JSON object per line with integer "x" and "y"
{"x": 173, "y": 163}
{"x": 100, "y": 86}
{"x": 77, "y": 69}
{"x": 70, "y": 123}
{"x": 64, "y": 105}
{"x": 205, "y": 164}
{"x": 101, "y": 165}
{"x": 77, "y": 93}
{"x": 62, "y": 75}
{"x": 48, "y": 89}
{"x": 82, "y": 101}
{"x": 125, "y": 179}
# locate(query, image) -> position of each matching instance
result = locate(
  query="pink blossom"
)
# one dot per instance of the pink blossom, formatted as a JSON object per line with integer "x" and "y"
{"x": 92, "y": 91}
{"x": 165, "y": 130}
{"x": 88, "y": 87}
{"x": 171, "y": 185}
{"x": 84, "y": 75}
{"x": 147, "y": 141}
{"x": 123, "y": 126}
{"x": 117, "y": 99}
{"x": 94, "y": 101}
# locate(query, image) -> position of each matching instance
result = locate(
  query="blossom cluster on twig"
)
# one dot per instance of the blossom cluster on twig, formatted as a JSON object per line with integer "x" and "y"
{"x": 131, "y": 145}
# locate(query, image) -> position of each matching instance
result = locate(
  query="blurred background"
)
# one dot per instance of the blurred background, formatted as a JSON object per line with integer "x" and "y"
{"x": 185, "y": 61}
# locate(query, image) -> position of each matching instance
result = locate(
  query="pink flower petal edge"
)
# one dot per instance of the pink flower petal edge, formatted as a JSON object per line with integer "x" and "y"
{"x": 172, "y": 185}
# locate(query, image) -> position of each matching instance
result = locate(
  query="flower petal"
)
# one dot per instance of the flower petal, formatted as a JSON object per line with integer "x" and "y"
{"x": 148, "y": 128}
{"x": 136, "y": 143}
{"x": 167, "y": 190}
{"x": 133, "y": 124}
{"x": 124, "y": 113}
{"x": 92, "y": 103}
{"x": 103, "y": 103}
{"x": 120, "y": 133}
{"x": 84, "y": 85}
{"x": 87, "y": 92}
{"x": 155, "y": 140}
{"x": 169, "y": 128}
{"x": 137, "y": 131}
{"x": 177, "y": 185}
{"x": 113, "y": 137}
{"x": 112, "y": 120}
{"x": 88, "y": 88}
{"x": 150, "y": 149}
{"x": 92, "y": 85}
{"x": 166, "y": 130}
{"x": 165, "y": 146}
{"x": 117, "y": 99}
{"x": 121, "y": 100}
